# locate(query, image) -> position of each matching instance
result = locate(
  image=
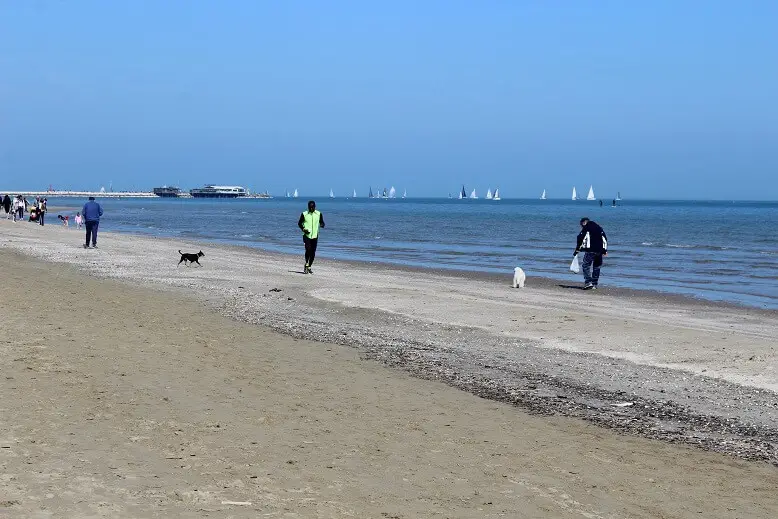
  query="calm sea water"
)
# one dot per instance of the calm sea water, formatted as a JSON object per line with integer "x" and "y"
{"x": 714, "y": 250}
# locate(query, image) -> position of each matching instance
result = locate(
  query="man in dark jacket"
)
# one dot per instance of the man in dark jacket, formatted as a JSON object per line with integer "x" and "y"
{"x": 593, "y": 242}
{"x": 92, "y": 213}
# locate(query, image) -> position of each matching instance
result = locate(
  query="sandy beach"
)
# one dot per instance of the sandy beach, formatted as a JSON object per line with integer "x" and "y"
{"x": 142, "y": 388}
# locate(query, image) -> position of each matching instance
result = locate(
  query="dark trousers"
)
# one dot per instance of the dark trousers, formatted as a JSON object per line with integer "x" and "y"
{"x": 592, "y": 261}
{"x": 91, "y": 232}
{"x": 20, "y": 213}
{"x": 40, "y": 217}
{"x": 310, "y": 249}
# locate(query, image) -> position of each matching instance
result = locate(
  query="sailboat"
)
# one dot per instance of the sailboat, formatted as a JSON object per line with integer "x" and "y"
{"x": 354, "y": 195}
{"x": 332, "y": 195}
{"x": 497, "y": 195}
{"x": 392, "y": 192}
{"x": 463, "y": 194}
{"x": 575, "y": 195}
{"x": 590, "y": 196}
{"x": 370, "y": 194}
{"x": 405, "y": 193}
{"x": 543, "y": 196}
{"x": 287, "y": 193}
{"x": 294, "y": 195}
{"x": 489, "y": 194}
{"x": 384, "y": 194}
{"x": 618, "y": 196}
{"x": 473, "y": 195}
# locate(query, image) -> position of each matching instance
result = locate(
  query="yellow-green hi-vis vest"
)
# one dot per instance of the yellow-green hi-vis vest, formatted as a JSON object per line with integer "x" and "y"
{"x": 311, "y": 223}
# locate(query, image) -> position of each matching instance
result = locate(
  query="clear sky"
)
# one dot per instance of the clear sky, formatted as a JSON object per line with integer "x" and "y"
{"x": 656, "y": 99}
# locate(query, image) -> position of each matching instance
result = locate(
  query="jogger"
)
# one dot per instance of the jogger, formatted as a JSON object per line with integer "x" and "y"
{"x": 310, "y": 221}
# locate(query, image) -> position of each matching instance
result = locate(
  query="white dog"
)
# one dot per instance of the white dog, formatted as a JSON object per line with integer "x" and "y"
{"x": 518, "y": 278}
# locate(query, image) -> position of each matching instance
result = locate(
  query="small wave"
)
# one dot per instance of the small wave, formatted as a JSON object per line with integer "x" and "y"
{"x": 680, "y": 246}
{"x": 647, "y": 243}
{"x": 246, "y": 235}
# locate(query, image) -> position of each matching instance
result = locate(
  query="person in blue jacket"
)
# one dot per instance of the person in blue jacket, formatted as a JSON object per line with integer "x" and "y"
{"x": 92, "y": 212}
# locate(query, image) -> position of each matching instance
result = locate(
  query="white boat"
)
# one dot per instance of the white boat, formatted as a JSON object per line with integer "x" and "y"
{"x": 294, "y": 195}
{"x": 354, "y": 195}
{"x": 618, "y": 196}
{"x": 496, "y": 194}
{"x": 384, "y": 194}
{"x": 543, "y": 196}
{"x": 332, "y": 195}
{"x": 211, "y": 191}
{"x": 489, "y": 194}
{"x": 473, "y": 195}
{"x": 462, "y": 194}
{"x": 392, "y": 192}
{"x": 405, "y": 193}
{"x": 590, "y": 196}
{"x": 287, "y": 194}
{"x": 575, "y": 195}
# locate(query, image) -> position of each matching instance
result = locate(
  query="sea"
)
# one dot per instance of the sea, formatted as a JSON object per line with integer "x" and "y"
{"x": 714, "y": 250}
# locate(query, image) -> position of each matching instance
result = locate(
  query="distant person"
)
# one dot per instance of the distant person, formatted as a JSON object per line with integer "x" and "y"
{"x": 41, "y": 210}
{"x": 593, "y": 242}
{"x": 20, "y": 207}
{"x": 614, "y": 202}
{"x": 79, "y": 220}
{"x": 600, "y": 203}
{"x": 7, "y": 206}
{"x": 92, "y": 212}
{"x": 309, "y": 223}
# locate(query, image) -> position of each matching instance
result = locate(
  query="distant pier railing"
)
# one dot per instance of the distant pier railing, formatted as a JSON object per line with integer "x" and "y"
{"x": 83, "y": 194}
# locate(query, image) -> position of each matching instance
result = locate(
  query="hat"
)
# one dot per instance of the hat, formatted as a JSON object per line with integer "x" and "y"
{"x": 91, "y": 198}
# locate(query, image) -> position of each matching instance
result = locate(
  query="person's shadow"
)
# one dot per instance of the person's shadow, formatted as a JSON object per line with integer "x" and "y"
{"x": 571, "y": 287}
{"x": 296, "y": 272}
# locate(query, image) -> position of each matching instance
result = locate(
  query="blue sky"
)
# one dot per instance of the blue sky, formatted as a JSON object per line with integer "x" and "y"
{"x": 659, "y": 99}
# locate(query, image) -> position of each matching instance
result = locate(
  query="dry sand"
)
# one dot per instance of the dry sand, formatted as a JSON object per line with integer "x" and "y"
{"x": 128, "y": 401}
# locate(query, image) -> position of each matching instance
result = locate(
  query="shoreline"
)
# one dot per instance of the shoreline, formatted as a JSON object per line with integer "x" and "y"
{"x": 700, "y": 293}
{"x": 543, "y": 282}
{"x": 664, "y": 368}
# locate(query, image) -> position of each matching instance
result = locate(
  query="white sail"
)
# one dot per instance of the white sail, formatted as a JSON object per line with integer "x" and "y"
{"x": 392, "y": 192}
{"x": 473, "y": 195}
{"x": 489, "y": 194}
{"x": 405, "y": 193}
{"x": 332, "y": 195}
{"x": 355, "y": 194}
{"x": 496, "y": 194}
{"x": 590, "y": 196}
{"x": 618, "y": 196}
{"x": 543, "y": 196}
{"x": 575, "y": 195}
{"x": 287, "y": 193}
{"x": 295, "y": 194}
{"x": 460, "y": 196}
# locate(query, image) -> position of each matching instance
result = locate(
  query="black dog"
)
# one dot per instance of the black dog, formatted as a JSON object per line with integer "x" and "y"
{"x": 190, "y": 258}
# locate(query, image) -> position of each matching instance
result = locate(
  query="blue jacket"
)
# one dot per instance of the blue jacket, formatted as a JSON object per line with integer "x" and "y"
{"x": 92, "y": 211}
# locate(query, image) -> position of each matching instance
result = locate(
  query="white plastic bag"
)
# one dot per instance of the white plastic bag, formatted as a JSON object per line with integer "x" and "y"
{"x": 575, "y": 266}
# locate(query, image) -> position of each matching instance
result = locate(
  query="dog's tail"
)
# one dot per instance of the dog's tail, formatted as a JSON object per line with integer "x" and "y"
{"x": 179, "y": 251}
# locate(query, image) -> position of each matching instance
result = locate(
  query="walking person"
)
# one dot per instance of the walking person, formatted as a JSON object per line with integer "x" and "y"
{"x": 593, "y": 242}
{"x": 20, "y": 207}
{"x": 310, "y": 221}
{"x": 41, "y": 210}
{"x": 7, "y": 206}
{"x": 92, "y": 212}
